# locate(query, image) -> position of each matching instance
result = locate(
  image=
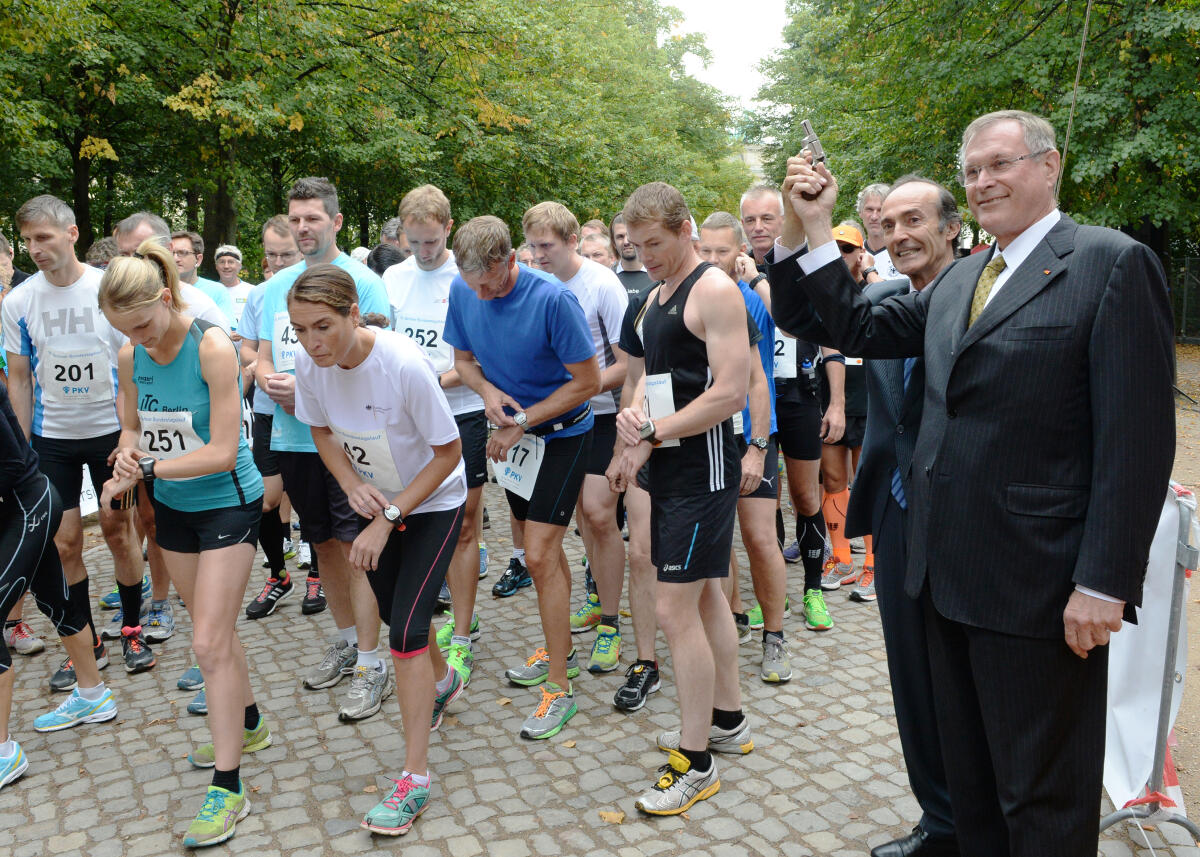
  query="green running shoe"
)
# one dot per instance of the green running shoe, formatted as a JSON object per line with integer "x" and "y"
{"x": 586, "y": 616}
{"x": 816, "y": 614}
{"x": 463, "y": 661}
{"x": 606, "y": 651}
{"x": 218, "y": 818}
{"x": 537, "y": 669}
{"x": 447, "y": 631}
{"x": 441, "y": 700}
{"x": 253, "y": 740}
{"x": 395, "y": 814}
{"x": 754, "y": 614}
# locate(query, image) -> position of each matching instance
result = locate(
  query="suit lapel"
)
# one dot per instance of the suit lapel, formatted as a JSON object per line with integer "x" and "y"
{"x": 1040, "y": 268}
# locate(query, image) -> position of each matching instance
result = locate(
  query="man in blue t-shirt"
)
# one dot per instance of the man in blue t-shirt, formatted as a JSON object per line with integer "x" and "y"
{"x": 325, "y": 514}
{"x": 521, "y": 342}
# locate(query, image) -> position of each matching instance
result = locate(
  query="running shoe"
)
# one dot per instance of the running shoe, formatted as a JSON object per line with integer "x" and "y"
{"x": 395, "y": 814}
{"x": 641, "y": 680}
{"x": 336, "y": 663}
{"x": 446, "y": 632}
{"x": 112, "y": 600}
{"x": 368, "y": 687}
{"x": 289, "y": 549}
{"x": 11, "y": 767}
{"x": 463, "y": 661}
{"x": 587, "y": 616}
{"x": 741, "y": 621}
{"x": 865, "y": 591}
{"x": 537, "y": 668}
{"x": 314, "y": 596}
{"x": 64, "y": 679}
{"x": 679, "y": 787}
{"x": 487, "y": 521}
{"x": 589, "y": 582}
{"x": 137, "y": 655}
{"x": 159, "y": 625}
{"x": 20, "y": 639}
{"x": 112, "y": 630}
{"x": 253, "y": 740}
{"x": 606, "y": 650}
{"x": 735, "y": 740}
{"x": 791, "y": 553}
{"x": 304, "y": 556}
{"x": 443, "y": 599}
{"x": 552, "y": 713}
{"x": 755, "y": 617}
{"x": 218, "y": 817}
{"x": 515, "y": 577}
{"x": 441, "y": 700}
{"x": 816, "y": 614}
{"x": 273, "y": 591}
{"x": 192, "y": 679}
{"x": 75, "y": 710}
{"x": 776, "y": 663}
{"x": 483, "y": 561}
{"x": 199, "y": 704}
{"x": 835, "y": 574}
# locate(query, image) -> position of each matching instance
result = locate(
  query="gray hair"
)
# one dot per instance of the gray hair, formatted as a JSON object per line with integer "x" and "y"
{"x": 948, "y": 212}
{"x": 725, "y": 220}
{"x": 1038, "y": 133}
{"x": 762, "y": 189}
{"x": 878, "y": 189}
{"x": 46, "y": 209}
{"x": 162, "y": 232}
{"x": 391, "y": 230}
{"x": 480, "y": 243}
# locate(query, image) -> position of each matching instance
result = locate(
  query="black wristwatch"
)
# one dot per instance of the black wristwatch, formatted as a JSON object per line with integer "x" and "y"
{"x": 757, "y": 280}
{"x": 147, "y": 465}
{"x": 392, "y": 513}
{"x": 761, "y": 442}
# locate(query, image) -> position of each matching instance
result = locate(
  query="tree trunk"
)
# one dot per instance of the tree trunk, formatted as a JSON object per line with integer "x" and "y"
{"x": 364, "y": 225}
{"x": 191, "y": 208}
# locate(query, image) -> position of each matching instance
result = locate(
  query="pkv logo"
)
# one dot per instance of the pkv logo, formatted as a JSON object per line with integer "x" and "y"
{"x": 515, "y": 476}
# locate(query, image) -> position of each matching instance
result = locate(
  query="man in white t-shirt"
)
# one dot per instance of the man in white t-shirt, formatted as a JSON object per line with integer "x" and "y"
{"x": 228, "y": 261}
{"x": 870, "y": 212}
{"x": 62, "y": 362}
{"x": 553, "y": 233}
{"x": 419, "y": 293}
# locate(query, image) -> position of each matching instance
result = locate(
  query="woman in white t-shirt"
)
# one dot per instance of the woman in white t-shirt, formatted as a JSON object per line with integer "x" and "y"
{"x": 383, "y": 429}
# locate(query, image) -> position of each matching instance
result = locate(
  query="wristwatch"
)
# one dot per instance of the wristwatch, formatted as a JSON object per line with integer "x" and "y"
{"x": 392, "y": 513}
{"x": 870, "y": 270}
{"x": 761, "y": 442}
{"x": 646, "y": 432}
{"x": 756, "y": 280}
{"x": 520, "y": 419}
{"x": 147, "y": 465}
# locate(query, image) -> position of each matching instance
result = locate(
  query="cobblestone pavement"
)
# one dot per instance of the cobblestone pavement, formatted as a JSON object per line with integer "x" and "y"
{"x": 826, "y": 775}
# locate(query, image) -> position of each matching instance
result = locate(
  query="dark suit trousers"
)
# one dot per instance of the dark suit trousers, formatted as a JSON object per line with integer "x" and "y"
{"x": 908, "y": 666}
{"x": 1023, "y": 739}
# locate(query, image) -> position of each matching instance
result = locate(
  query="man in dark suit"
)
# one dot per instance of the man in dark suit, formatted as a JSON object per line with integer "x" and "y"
{"x": 1046, "y": 443}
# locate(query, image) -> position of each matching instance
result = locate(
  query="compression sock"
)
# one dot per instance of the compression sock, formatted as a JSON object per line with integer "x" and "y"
{"x": 131, "y": 603}
{"x": 270, "y": 536}
{"x": 833, "y": 507}
{"x": 77, "y": 594}
{"x": 810, "y": 533}
{"x": 780, "y": 533}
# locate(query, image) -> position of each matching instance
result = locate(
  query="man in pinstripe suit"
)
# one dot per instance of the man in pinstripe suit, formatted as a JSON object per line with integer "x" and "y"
{"x": 1046, "y": 443}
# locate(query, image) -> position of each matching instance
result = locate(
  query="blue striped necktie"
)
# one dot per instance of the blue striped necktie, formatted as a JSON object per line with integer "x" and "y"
{"x": 897, "y": 482}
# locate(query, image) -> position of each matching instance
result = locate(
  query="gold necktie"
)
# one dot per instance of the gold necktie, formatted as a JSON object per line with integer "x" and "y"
{"x": 984, "y": 287}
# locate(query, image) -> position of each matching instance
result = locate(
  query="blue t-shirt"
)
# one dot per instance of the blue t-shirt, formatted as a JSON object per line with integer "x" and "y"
{"x": 251, "y": 316}
{"x": 220, "y": 296}
{"x": 524, "y": 339}
{"x": 288, "y": 434}
{"x": 766, "y": 352}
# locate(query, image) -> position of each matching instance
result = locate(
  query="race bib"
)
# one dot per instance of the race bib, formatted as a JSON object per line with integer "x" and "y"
{"x": 169, "y": 434}
{"x": 371, "y": 457}
{"x": 738, "y": 429}
{"x": 785, "y": 356}
{"x": 660, "y": 400}
{"x": 285, "y": 343}
{"x": 519, "y": 472}
{"x": 427, "y": 332}
{"x": 76, "y": 375}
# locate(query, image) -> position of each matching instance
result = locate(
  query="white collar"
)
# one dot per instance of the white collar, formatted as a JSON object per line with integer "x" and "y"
{"x": 1019, "y": 248}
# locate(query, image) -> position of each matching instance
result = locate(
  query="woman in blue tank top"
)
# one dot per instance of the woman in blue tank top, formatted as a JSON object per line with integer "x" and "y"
{"x": 181, "y": 436}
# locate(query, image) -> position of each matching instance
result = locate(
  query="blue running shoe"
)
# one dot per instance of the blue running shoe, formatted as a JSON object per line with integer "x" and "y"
{"x": 159, "y": 625}
{"x": 75, "y": 710}
{"x": 11, "y": 767}
{"x": 483, "y": 561}
{"x": 112, "y": 601}
{"x": 443, "y": 600}
{"x": 199, "y": 705}
{"x": 191, "y": 679}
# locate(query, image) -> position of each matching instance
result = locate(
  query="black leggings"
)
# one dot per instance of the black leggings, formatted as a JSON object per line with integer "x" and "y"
{"x": 411, "y": 570}
{"x": 29, "y": 518}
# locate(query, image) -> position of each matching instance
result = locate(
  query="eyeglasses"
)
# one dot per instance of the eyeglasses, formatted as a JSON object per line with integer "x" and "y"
{"x": 178, "y": 253}
{"x": 282, "y": 257}
{"x": 846, "y": 248}
{"x": 997, "y": 167}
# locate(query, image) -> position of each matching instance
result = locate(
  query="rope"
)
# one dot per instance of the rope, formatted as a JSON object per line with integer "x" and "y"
{"x": 1074, "y": 95}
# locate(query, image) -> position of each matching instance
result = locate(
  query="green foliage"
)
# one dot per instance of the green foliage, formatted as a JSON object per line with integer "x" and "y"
{"x": 207, "y": 110}
{"x": 890, "y": 86}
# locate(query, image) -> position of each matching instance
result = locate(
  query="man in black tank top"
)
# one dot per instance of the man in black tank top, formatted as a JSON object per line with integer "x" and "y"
{"x": 692, "y": 356}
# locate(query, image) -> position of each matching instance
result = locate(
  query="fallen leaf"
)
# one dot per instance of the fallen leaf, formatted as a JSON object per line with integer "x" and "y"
{"x": 255, "y": 788}
{"x": 504, "y": 700}
{"x": 625, "y": 613}
{"x": 612, "y": 817}
{"x": 568, "y": 744}
{"x": 371, "y": 789}
{"x": 685, "y": 815}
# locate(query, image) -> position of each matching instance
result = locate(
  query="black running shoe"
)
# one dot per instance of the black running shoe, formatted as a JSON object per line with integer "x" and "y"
{"x": 515, "y": 577}
{"x": 273, "y": 591}
{"x": 641, "y": 680}
{"x": 63, "y": 679}
{"x": 314, "y": 597}
{"x": 137, "y": 655}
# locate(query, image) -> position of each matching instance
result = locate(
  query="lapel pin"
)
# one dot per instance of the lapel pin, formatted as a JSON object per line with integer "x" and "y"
{"x": 1047, "y": 271}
